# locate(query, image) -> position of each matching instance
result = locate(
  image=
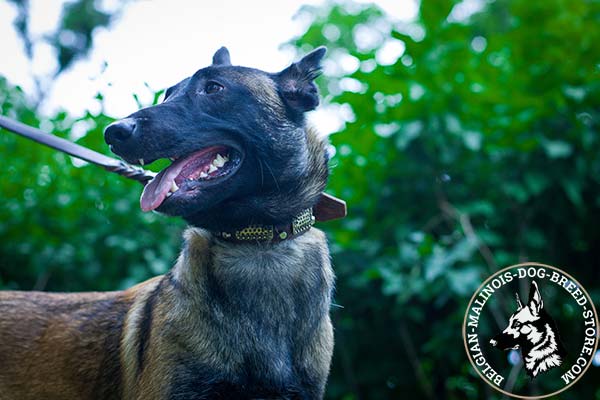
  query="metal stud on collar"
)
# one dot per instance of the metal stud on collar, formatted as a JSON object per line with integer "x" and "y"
{"x": 255, "y": 232}
{"x": 303, "y": 222}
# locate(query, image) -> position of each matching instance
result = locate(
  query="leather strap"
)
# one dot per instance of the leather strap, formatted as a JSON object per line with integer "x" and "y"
{"x": 270, "y": 233}
{"x": 83, "y": 153}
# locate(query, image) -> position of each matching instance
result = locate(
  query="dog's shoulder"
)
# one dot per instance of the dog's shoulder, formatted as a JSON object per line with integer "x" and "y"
{"x": 45, "y": 332}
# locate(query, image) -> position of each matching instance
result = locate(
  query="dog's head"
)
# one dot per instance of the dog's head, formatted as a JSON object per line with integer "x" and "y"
{"x": 240, "y": 150}
{"x": 525, "y": 324}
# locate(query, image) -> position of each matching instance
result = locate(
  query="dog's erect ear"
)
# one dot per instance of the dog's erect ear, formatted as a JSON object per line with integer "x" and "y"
{"x": 519, "y": 304}
{"x": 296, "y": 81}
{"x": 535, "y": 299}
{"x": 221, "y": 57}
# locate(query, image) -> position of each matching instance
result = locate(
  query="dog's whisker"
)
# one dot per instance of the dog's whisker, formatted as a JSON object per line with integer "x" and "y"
{"x": 262, "y": 173}
{"x": 273, "y": 175}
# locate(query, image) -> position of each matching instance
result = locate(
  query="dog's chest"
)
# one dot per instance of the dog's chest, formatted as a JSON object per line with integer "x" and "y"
{"x": 256, "y": 345}
{"x": 262, "y": 309}
{"x": 194, "y": 382}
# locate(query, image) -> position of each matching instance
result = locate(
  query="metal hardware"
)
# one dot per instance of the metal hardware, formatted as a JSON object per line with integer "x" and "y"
{"x": 303, "y": 221}
{"x": 255, "y": 232}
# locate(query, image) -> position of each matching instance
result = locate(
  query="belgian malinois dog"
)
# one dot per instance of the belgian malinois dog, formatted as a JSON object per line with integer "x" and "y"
{"x": 244, "y": 313}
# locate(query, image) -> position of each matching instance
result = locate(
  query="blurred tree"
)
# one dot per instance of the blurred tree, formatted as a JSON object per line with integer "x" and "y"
{"x": 49, "y": 239}
{"x": 71, "y": 40}
{"x": 471, "y": 143}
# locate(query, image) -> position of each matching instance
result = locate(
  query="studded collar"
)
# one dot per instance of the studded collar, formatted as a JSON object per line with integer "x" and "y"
{"x": 270, "y": 233}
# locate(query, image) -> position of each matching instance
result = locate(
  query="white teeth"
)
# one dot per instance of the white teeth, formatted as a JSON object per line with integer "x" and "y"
{"x": 174, "y": 187}
{"x": 141, "y": 160}
{"x": 169, "y": 194}
{"x": 212, "y": 168}
{"x": 172, "y": 158}
{"x": 203, "y": 175}
{"x": 219, "y": 161}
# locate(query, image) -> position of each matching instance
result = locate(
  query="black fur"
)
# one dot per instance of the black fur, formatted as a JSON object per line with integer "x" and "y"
{"x": 146, "y": 325}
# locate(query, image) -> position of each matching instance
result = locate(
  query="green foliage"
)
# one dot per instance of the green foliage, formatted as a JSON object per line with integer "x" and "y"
{"x": 68, "y": 226}
{"x": 476, "y": 149}
{"x": 71, "y": 41}
{"x": 73, "y": 38}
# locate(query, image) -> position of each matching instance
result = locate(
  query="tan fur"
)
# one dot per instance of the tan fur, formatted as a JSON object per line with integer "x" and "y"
{"x": 179, "y": 315}
{"x": 317, "y": 171}
{"x": 55, "y": 346}
{"x": 264, "y": 90}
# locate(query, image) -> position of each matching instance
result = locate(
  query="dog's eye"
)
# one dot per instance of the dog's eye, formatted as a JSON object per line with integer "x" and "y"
{"x": 212, "y": 87}
{"x": 517, "y": 325}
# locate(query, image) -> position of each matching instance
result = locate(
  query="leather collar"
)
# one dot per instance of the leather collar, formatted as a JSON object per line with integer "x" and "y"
{"x": 270, "y": 233}
{"x": 327, "y": 208}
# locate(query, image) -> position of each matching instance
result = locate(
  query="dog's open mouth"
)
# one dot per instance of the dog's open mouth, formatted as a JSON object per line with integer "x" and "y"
{"x": 189, "y": 174}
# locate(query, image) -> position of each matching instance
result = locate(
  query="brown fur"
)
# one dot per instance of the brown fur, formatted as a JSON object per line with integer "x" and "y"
{"x": 61, "y": 346}
{"x": 126, "y": 344}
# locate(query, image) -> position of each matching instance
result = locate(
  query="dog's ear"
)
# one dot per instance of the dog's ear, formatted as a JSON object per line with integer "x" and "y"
{"x": 221, "y": 57}
{"x": 297, "y": 81}
{"x": 519, "y": 304}
{"x": 535, "y": 299}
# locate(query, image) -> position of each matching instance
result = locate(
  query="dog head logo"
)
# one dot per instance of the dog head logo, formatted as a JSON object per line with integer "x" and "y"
{"x": 532, "y": 330}
{"x": 536, "y": 348}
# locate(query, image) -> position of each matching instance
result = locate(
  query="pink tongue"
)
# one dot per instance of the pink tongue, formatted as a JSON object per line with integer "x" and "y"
{"x": 156, "y": 191}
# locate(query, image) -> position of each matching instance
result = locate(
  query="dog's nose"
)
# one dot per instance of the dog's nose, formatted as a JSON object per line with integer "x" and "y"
{"x": 119, "y": 131}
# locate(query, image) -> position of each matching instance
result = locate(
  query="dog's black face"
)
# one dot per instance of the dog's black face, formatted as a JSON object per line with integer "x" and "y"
{"x": 236, "y": 135}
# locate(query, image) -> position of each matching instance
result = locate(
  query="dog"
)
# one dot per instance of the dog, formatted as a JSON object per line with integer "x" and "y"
{"x": 532, "y": 330}
{"x": 244, "y": 312}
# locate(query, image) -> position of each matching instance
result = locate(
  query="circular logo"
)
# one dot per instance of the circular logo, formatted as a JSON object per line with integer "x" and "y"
{"x": 531, "y": 331}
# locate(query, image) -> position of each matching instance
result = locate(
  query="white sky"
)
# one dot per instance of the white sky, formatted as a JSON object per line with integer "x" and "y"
{"x": 160, "y": 42}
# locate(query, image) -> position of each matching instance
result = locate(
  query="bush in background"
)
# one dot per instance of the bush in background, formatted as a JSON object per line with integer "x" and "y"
{"x": 474, "y": 149}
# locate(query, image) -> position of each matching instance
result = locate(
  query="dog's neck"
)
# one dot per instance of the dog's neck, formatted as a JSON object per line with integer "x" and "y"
{"x": 544, "y": 354}
{"x": 206, "y": 259}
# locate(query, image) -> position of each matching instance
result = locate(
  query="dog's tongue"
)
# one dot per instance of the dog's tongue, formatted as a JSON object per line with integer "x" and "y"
{"x": 157, "y": 189}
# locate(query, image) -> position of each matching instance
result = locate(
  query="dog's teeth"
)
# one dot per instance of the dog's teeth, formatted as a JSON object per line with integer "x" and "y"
{"x": 169, "y": 194}
{"x": 172, "y": 158}
{"x": 226, "y": 158}
{"x": 212, "y": 168}
{"x": 219, "y": 161}
{"x": 174, "y": 187}
{"x": 203, "y": 174}
{"x": 141, "y": 161}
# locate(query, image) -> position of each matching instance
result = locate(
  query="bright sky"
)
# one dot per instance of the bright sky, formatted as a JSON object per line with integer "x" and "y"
{"x": 160, "y": 42}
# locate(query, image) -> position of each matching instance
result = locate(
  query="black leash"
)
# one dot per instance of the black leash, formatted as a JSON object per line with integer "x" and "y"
{"x": 75, "y": 150}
